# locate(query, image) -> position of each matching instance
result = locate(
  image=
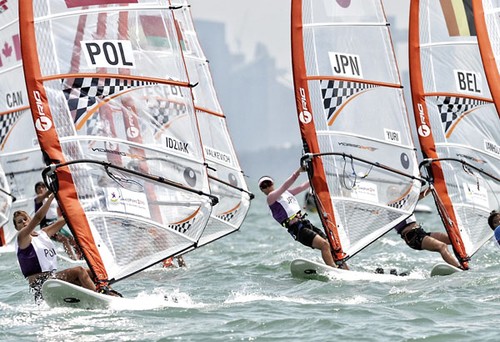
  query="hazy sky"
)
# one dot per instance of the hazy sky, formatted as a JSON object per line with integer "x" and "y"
{"x": 268, "y": 22}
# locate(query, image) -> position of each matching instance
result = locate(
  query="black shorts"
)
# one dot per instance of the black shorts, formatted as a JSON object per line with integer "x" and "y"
{"x": 414, "y": 237}
{"x": 304, "y": 232}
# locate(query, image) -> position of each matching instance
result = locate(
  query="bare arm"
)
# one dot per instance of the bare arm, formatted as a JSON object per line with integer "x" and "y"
{"x": 274, "y": 195}
{"x": 300, "y": 188}
{"x": 55, "y": 227}
{"x": 40, "y": 197}
{"x": 24, "y": 236}
{"x": 424, "y": 193}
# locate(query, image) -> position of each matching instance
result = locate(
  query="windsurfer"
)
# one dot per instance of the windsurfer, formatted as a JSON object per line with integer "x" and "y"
{"x": 417, "y": 238}
{"x": 494, "y": 223}
{"x": 286, "y": 210}
{"x": 37, "y": 255}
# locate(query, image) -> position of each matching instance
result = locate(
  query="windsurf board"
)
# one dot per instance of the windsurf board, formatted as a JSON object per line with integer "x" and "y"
{"x": 57, "y": 293}
{"x": 308, "y": 269}
{"x": 443, "y": 269}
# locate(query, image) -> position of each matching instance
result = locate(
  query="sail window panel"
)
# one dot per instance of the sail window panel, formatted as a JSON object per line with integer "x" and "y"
{"x": 204, "y": 95}
{"x": 216, "y": 141}
{"x": 473, "y": 195}
{"x": 492, "y": 17}
{"x": 362, "y": 206}
{"x": 342, "y": 52}
{"x": 401, "y": 159}
{"x": 127, "y": 246}
{"x": 454, "y": 69}
{"x": 342, "y": 11}
{"x": 347, "y": 107}
{"x": 159, "y": 116}
{"x": 142, "y": 43}
{"x": 187, "y": 33}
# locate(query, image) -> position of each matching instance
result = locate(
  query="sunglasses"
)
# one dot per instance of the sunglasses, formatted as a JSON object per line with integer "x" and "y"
{"x": 266, "y": 184}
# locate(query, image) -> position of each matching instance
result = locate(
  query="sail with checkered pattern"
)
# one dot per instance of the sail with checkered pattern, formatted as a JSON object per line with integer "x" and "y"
{"x": 20, "y": 155}
{"x": 226, "y": 178}
{"x": 113, "y": 111}
{"x": 456, "y": 120}
{"x": 487, "y": 22}
{"x": 353, "y": 120}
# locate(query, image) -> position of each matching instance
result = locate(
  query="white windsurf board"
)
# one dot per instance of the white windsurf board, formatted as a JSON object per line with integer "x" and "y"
{"x": 308, "y": 269}
{"x": 443, "y": 269}
{"x": 57, "y": 293}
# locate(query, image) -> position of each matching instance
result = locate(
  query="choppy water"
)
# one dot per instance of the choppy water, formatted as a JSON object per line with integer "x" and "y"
{"x": 240, "y": 289}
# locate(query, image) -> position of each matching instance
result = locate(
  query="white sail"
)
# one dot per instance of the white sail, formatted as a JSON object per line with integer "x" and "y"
{"x": 20, "y": 155}
{"x": 226, "y": 178}
{"x": 457, "y": 123}
{"x": 353, "y": 120}
{"x": 113, "y": 112}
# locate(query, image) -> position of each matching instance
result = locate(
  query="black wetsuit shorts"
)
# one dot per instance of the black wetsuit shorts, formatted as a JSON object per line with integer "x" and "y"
{"x": 414, "y": 237}
{"x": 304, "y": 232}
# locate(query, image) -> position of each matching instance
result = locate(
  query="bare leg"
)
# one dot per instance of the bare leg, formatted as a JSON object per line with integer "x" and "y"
{"x": 432, "y": 244}
{"x": 78, "y": 276}
{"x": 324, "y": 246}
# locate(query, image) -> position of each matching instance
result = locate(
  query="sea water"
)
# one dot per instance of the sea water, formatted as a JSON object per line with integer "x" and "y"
{"x": 240, "y": 289}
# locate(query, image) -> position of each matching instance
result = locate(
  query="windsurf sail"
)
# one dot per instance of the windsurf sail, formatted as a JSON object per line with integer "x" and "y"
{"x": 113, "y": 111}
{"x": 226, "y": 177}
{"x": 353, "y": 121}
{"x": 457, "y": 124}
{"x": 487, "y": 23}
{"x": 20, "y": 155}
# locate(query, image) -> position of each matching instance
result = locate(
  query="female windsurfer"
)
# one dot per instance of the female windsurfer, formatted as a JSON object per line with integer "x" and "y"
{"x": 36, "y": 253}
{"x": 286, "y": 210}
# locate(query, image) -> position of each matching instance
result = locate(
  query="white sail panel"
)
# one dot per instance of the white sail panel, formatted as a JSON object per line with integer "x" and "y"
{"x": 456, "y": 120}
{"x": 226, "y": 177}
{"x": 115, "y": 116}
{"x": 353, "y": 120}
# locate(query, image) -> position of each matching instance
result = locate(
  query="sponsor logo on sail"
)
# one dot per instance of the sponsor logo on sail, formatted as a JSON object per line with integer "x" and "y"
{"x": 423, "y": 129}
{"x": 105, "y": 150}
{"x": 108, "y": 53}
{"x": 305, "y": 116}
{"x": 361, "y": 147}
{"x": 473, "y": 159}
{"x": 132, "y": 130}
{"x": 42, "y": 123}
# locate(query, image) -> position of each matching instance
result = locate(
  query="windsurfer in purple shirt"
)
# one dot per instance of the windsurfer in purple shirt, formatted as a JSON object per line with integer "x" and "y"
{"x": 286, "y": 210}
{"x": 36, "y": 253}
